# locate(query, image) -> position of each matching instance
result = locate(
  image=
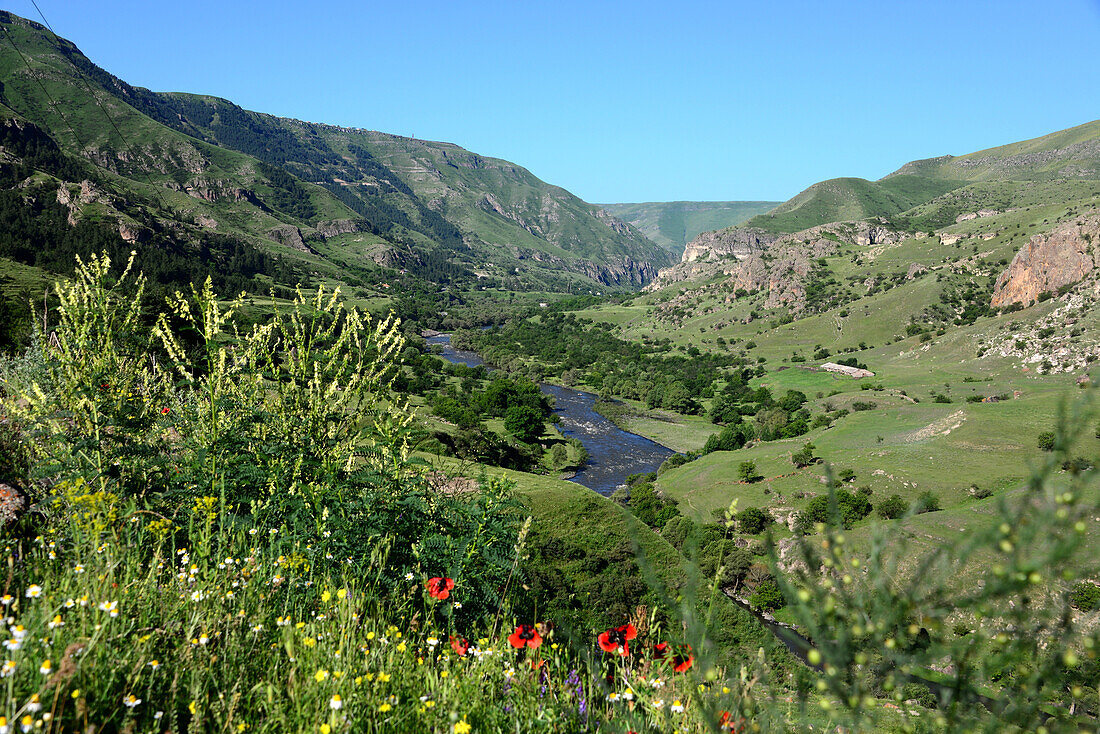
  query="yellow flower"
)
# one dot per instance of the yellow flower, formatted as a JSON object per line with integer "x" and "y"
{"x": 461, "y": 727}
{"x": 309, "y": 642}
{"x": 443, "y": 674}
{"x": 326, "y": 729}
{"x": 383, "y": 677}
{"x": 326, "y": 595}
{"x": 341, "y": 594}
{"x": 385, "y": 707}
{"x": 402, "y": 647}
{"x": 320, "y": 675}
{"x": 193, "y": 708}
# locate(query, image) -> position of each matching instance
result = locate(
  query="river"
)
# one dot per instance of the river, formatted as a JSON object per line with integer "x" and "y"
{"x": 613, "y": 454}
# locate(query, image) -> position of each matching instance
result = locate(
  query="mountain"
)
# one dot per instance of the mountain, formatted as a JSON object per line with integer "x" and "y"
{"x": 206, "y": 187}
{"x": 1030, "y": 206}
{"x": 1060, "y": 158}
{"x": 672, "y": 224}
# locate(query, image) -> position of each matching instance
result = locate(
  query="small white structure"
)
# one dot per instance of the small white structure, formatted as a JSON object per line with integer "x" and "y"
{"x": 844, "y": 369}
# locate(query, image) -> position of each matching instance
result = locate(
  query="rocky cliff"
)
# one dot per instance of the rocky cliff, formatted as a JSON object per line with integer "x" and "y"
{"x": 1049, "y": 261}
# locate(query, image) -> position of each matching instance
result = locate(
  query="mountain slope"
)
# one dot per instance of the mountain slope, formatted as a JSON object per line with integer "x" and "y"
{"x": 328, "y": 198}
{"x": 672, "y": 224}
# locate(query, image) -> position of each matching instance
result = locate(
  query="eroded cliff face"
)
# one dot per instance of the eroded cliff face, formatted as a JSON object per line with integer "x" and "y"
{"x": 779, "y": 265}
{"x": 1064, "y": 256}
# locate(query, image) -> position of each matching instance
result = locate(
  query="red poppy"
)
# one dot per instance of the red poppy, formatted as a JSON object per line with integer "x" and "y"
{"x": 460, "y": 644}
{"x": 660, "y": 650}
{"x": 164, "y": 411}
{"x": 536, "y": 663}
{"x": 682, "y": 660}
{"x": 525, "y": 636}
{"x": 440, "y": 587}
{"x": 726, "y": 722}
{"x": 614, "y": 640}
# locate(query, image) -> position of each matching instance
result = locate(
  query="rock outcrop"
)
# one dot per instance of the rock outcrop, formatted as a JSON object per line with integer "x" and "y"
{"x": 290, "y": 236}
{"x": 1049, "y": 261}
{"x": 336, "y": 227}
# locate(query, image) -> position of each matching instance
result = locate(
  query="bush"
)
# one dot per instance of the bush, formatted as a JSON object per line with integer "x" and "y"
{"x": 1085, "y": 596}
{"x": 753, "y": 520}
{"x": 805, "y": 456}
{"x": 926, "y": 502}
{"x": 893, "y": 507}
{"x": 767, "y": 597}
{"x": 1046, "y": 441}
{"x": 746, "y": 471}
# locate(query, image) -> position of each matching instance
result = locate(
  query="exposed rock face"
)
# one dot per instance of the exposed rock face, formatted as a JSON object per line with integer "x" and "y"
{"x": 1049, "y": 261}
{"x": 340, "y": 226}
{"x": 737, "y": 241}
{"x": 756, "y": 260}
{"x": 290, "y": 236}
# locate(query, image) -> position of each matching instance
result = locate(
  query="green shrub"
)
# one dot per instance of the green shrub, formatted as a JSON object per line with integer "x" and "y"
{"x": 1046, "y": 441}
{"x": 767, "y": 597}
{"x": 1085, "y": 596}
{"x": 893, "y": 507}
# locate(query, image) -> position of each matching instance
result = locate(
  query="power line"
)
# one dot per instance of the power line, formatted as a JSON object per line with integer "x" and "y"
{"x": 125, "y": 143}
{"x": 57, "y": 111}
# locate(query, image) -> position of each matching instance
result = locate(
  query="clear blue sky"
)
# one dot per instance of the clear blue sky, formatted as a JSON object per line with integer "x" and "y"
{"x": 635, "y": 101}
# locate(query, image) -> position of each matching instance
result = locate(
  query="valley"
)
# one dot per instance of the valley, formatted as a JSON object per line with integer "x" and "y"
{"x": 340, "y": 402}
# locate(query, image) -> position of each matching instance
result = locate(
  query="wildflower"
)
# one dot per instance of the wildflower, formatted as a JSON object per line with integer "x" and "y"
{"x": 409, "y": 576}
{"x": 78, "y": 568}
{"x": 383, "y": 677}
{"x": 628, "y": 694}
{"x": 253, "y": 531}
{"x": 676, "y": 707}
{"x": 342, "y": 594}
{"x": 615, "y": 640}
{"x": 613, "y": 697}
{"x": 320, "y": 675}
{"x": 461, "y": 727}
{"x": 46, "y": 667}
{"x": 158, "y": 715}
{"x": 282, "y": 621}
{"x": 440, "y": 587}
{"x": 35, "y": 704}
{"x": 682, "y": 661}
{"x": 34, "y": 591}
{"x": 26, "y": 723}
{"x": 197, "y": 596}
{"x": 460, "y": 645}
{"x": 384, "y": 708}
{"x": 7, "y": 668}
{"x": 257, "y": 628}
{"x": 19, "y": 632}
{"x": 111, "y": 607}
{"x": 336, "y": 703}
{"x": 325, "y": 729}
{"x": 154, "y": 664}
{"x": 13, "y": 644}
{"x": 56, "y": 622}
{"x": 193, "y": 708}
{"x": 273, "y": 531}
{"x": 130, "y": 701}
{"x": 4, "y": 728}
{"x": 432, "y": 641}
{"x": 525, "y": 636}
{"x": 7, "y": 599}
{"x": 659, "y": 703}
{"x": 164, "y": 410}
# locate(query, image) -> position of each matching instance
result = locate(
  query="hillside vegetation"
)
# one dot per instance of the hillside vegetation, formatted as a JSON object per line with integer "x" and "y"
{"x": 672, "y": 224}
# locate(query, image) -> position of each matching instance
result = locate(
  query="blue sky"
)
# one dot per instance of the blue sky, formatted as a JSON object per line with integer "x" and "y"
{"x": 630, "y": 101}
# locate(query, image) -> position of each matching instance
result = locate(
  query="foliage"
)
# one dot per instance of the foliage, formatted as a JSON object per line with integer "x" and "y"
{"x": 767, "y": 597}
{"x": 746, "y": 470}
{"x": 753, "y": 520}
{"x": 1046, "y": 441}
{"x": 893, "y": 507}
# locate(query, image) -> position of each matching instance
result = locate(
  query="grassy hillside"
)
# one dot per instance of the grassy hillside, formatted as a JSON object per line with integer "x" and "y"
{"x": 190, "y": 175}
{"x": 673, "y": 224}
{"x": 1064, "y": 158}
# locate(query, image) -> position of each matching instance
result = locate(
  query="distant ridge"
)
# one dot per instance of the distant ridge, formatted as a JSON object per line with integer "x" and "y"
{"x": 672, "y": 224}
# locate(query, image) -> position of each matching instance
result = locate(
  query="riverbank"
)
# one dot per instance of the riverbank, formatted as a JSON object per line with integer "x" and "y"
{"x": 681, "y": 433}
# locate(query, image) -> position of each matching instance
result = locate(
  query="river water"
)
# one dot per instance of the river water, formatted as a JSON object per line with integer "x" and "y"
{"x": 613, "y": 454}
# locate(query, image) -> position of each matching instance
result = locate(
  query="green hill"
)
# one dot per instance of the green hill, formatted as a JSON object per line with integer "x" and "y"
{"x": 256, "y": 198}
{"x": 1063, "y": 158}
{"x": 672, "y": 224}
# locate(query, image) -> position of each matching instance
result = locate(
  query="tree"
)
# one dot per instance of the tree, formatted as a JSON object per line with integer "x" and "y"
{"x": 893, "y": 507}
{"x": 804, "y": 457}
{"x": 524, "y": 422}
{"x": 753, "y": 520}
{"x": 767, "y": 597}
{"x": 927, "y": 502}
{"x": 746, "y": 470}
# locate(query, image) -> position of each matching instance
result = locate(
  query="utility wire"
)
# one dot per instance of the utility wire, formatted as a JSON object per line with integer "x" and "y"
{"x": 125, "y": 143}
{"x": 57, "y": 111}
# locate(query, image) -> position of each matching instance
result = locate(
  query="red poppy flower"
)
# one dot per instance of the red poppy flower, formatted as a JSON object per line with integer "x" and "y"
{"x": 660, "y": 650}
{"x": 614, "y": 640}
{"x": 440, "y": 587}
{"x": 164, "y": 411}
{"x": 525, "y": 636}
{"x": 460, "y": 644}
{"x": 726, "y": 721}
{"x": 682, "y": 660}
